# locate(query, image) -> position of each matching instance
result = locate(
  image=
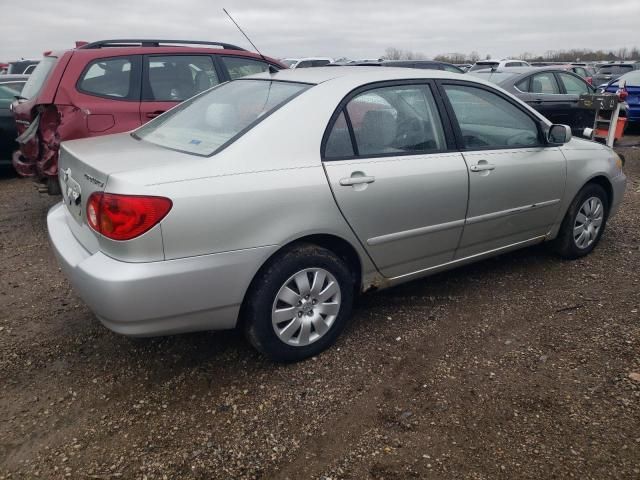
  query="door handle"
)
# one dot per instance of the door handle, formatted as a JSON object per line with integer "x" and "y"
{"x": 154, "y": 114}
{"x": 356, "y": 180}
{"x": 482, "y": 167}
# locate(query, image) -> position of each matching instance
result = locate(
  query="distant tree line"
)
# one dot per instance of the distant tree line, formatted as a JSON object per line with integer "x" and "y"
{"x": 572, "y": 55}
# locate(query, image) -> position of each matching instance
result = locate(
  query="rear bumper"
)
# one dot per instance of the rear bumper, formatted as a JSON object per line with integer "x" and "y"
{"x": 156, "y": 298}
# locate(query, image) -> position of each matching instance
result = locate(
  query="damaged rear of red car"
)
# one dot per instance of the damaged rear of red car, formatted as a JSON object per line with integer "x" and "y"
{"x": 114, "y": 86}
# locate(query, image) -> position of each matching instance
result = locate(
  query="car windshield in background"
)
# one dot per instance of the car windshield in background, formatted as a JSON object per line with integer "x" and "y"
{"x": 615, "y": 69}
{"x": 36, "y": 80}
{"x": 493, "y": 77}
{"x": 632, "y": 78}
{"x": 480, "y": 66}
{"x": 205, "y": 124}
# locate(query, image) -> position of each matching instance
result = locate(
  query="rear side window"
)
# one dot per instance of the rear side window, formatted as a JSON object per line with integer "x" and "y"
{"x": 573, "y": 85}
{"x": 39, "y": 77}
{"x": 107, "y": 77}
{"x": 175, "y": 78}
{"x": 544, "y": 83}
{"x": 487, "y": 120}
{"x": 339, "y": 142}
{"x": 240, "y": 67}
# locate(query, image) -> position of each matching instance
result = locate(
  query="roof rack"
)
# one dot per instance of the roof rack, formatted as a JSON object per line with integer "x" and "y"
{"x": 138, "y": 42}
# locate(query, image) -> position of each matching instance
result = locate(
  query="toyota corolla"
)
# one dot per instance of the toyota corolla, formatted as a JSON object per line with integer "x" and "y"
{"x": 269, "y": 202}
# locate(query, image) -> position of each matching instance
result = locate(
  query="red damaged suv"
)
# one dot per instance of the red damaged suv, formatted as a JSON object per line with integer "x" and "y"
{"x": 114, "y": 86}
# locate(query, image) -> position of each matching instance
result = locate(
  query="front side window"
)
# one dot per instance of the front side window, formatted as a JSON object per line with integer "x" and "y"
{"x": 209, "y": 122}
{"x": 241, "y": 67}
{"x": 107, "y": 77}
{"x": 396, "y": 120}
{"x": 487, "y": 120}
{"x": 175, "y": 78}
{"x": 573, "y": 85}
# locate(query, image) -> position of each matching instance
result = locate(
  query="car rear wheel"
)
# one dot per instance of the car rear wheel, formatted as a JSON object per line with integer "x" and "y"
{"x": 299, "y": 303}
{"x": 584, "y": 223}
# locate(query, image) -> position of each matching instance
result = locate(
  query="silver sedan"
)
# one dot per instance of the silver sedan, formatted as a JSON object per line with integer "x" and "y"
{"x": 269, "y": 202}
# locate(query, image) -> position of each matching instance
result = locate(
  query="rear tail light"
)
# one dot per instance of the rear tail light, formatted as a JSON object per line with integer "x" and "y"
{"x": 123, "y": 217}
{"x": 589, "y": 80}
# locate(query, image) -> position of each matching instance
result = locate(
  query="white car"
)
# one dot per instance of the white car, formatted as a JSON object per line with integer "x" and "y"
{"x": 307, "y": 62}
{"x": 498, "y": 64}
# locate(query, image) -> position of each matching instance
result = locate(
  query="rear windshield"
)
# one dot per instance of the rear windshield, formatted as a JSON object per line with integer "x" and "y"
{"x": 211, "y": 121}
{"x": 481, "y": 65}
{"x": 616, "y": 69}
{"x": 38, "y": 77}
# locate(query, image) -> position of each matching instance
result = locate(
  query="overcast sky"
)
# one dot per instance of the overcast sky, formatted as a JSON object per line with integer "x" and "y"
{"x": 351, "y": 28}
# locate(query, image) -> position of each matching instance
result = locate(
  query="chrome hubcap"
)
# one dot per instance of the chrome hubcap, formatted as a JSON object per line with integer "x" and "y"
{"x": 306, "y": 307}
{"x": 588, "y": 222}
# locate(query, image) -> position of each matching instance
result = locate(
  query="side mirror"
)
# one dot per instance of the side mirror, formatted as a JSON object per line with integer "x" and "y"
{"x": 559, "y": 134}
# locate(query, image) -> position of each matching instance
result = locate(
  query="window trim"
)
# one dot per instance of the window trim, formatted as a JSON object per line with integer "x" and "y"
{"x": 540, "y": 125}
{"x": 440, "y": 110}
{"x": 146, "y": 93}
{"x": 134, "y": 79}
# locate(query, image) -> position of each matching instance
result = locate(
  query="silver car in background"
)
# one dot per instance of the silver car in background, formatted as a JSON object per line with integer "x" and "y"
{"x": 269, "y": 202}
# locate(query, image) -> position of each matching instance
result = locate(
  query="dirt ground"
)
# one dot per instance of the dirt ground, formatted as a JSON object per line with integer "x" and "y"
{"x": 517, "y": 367}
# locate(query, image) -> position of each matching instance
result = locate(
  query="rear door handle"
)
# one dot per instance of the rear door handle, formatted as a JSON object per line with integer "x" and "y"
{"x": 482, "y": 167}
{"x": 154, "y": 114}
{"x": 350, "y": 181}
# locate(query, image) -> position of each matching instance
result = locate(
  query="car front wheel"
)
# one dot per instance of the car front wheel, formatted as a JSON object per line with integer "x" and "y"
{"x": 299, "y": 303}
{"x": 584, "y": 223}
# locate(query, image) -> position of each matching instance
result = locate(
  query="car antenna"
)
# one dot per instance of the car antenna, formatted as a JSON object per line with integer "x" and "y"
{"x": 272, "y": 69}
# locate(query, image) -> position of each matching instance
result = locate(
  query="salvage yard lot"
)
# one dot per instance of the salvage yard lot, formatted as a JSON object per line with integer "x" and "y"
{"x": 516, "y": 367}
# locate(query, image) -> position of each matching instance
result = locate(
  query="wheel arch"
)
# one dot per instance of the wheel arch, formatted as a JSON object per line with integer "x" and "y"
{"x": 606, "y": 185}
{"x": 334, "y": 243}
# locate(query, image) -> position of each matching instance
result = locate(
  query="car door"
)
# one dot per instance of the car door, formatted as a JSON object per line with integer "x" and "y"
{"x": 516, "y": 181}
{"x": 396, "y": 176}
{"x": 171, "y": 79}
{"x": 109, "y": 92}
{"x": 543, "y": 93}
{"x": 572, "y": 87}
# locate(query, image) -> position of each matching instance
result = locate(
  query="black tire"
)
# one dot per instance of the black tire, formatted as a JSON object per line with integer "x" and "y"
{"x": 565, "y": 245}
{"x": 53, "y": 186}
{"x": 260, "y": 299}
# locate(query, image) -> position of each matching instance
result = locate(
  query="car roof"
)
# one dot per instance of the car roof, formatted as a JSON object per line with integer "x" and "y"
{"x": 13, "y": 78}
{"x": 370, "y": 73}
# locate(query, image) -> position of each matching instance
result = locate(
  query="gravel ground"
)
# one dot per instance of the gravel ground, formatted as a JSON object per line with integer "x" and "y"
{"x": 522, "y": 366}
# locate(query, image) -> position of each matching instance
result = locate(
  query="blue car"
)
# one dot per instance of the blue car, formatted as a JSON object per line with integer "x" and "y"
{"x": 633, "y": 88}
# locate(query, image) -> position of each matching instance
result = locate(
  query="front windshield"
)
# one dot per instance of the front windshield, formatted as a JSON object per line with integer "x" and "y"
{"x": 38, "y": 77}
{"x": 210, "y": 121}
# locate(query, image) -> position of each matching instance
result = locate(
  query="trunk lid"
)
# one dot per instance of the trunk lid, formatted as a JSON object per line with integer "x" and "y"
{"x": 85, "y": 166}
